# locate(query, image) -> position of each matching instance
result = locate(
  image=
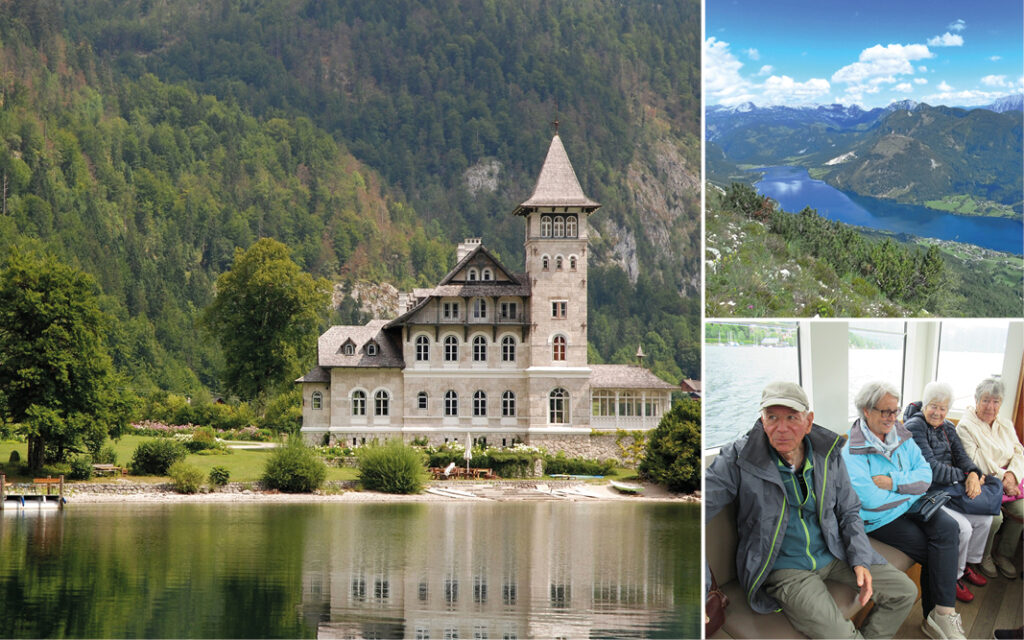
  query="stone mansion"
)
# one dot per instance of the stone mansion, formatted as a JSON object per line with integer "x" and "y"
{"x": 488, "y": 355}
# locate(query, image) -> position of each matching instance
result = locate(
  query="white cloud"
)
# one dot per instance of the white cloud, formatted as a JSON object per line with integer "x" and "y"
{"x": 995, "y": 81}
{"x": 923, "y": 69}
{"x": 996, "y": 58}
{"x": 958, "y": 25}
{"x": 903, "y": 87}
{"x": 944, "y": 87}
{"x": 920, "y": 80}
{"x": 946, "y": 40}
{"x": 882, "y": 62}
{"x": 963, "y": 98}
{"x": 786, "y": 90}
{"x": 722, "y": 80}
{"x": 753, "y": 54}
{"x": 766, "y": 70}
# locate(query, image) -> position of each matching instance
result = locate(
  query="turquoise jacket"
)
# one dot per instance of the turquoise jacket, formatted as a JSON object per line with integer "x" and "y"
{"x": 910, "y": 472}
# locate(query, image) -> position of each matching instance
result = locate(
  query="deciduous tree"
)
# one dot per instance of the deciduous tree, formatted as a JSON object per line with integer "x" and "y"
{"x": 265, "y": 315}
{"x": 56, "y": 379}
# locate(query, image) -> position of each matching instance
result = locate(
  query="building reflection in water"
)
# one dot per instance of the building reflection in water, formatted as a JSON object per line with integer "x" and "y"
{"x": 504, "y": 570}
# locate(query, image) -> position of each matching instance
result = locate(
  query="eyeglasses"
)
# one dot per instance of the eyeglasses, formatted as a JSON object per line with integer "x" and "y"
{"x": 886, "y": 413}
{"x": 936, "y": 407}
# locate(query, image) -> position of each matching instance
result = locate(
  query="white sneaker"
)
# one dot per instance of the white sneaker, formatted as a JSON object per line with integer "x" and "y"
{"x": 943, "y": 627}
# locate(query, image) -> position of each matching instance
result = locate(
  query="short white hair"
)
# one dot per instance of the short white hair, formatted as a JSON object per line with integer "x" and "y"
{"x": 872, "y": 392}
{"x": 992, "y": 387}
{"x": 937, "y": 391}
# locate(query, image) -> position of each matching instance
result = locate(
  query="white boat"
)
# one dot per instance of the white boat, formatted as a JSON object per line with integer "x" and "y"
{"x": 626, "y": 487}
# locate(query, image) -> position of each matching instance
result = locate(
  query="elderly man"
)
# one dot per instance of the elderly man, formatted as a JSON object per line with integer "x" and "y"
{"x": 798, "y": 523}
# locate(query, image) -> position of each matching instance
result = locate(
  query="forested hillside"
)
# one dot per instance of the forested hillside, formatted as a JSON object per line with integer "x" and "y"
{"x": 146, "y": 141}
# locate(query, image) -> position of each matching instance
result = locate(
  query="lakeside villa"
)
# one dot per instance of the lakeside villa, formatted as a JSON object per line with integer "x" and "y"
{"x": 487, "y": 355}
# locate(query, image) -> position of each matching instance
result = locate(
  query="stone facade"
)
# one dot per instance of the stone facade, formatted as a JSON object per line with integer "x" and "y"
{"x": 487, "y": 353}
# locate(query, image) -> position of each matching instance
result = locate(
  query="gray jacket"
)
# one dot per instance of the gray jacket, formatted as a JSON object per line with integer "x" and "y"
{"x": 745, "y": 472}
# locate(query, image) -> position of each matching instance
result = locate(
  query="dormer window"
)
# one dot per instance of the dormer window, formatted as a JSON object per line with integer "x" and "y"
{"x": 349, "y": 348}
{"x": 559, "y": 227}
{"x": 545, "y": 226}
{"x": 372, "y": 349}
{"x": 486, "y": 274}
{"x": 471, "y": 275}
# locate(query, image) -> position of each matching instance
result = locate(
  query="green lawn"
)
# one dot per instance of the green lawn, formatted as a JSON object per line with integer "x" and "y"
{"x": 245, "y": 465}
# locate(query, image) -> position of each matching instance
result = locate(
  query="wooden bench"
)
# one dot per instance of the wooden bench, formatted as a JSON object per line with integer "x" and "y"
{"x": 49, "y": 483}
{"x": 109, "y": 469}
{"x": 740, "y": 620}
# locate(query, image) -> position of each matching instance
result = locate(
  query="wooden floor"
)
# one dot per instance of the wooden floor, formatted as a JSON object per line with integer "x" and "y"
{"x": 997, "y": 605}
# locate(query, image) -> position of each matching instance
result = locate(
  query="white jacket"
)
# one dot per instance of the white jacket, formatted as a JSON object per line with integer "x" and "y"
{"x": 995, "y": 449}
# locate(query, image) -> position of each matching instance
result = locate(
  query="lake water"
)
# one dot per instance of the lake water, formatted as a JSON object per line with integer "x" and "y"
{"x": 413, "y": 570}
{"x": 794, "y": 189}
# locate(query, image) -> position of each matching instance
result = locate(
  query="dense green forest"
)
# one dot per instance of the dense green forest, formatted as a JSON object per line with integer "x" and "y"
{"x": 144, "y": 142}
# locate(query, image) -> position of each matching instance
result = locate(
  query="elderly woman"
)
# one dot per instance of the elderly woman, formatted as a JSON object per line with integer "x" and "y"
{"x": 992, "y": 443}
{"x": 890, "y": 475}
{"x": 941, "y": 447}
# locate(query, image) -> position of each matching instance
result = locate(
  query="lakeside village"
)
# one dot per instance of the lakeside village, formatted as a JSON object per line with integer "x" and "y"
{"x": 487, "y": 360}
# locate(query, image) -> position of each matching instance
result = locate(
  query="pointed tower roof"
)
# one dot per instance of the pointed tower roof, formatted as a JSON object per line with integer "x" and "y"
{"x": 557, "y": 185}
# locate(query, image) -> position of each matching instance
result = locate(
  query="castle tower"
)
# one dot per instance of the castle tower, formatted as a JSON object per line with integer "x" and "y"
{"x": 556, "y": 263}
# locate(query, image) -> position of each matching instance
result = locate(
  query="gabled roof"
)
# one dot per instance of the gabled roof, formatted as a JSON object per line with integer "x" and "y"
{"x": 330, "y": 354}
{"x": 557, "y": 185}
{"x": 470, "y": 257}
{"x": 626, "y": 376}
{"x": 316, "y": 374}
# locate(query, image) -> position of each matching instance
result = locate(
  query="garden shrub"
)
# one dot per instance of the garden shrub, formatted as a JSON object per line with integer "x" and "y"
{"x": 219, "y": 476}
{"x": 15, "y": 457}
{"x": 185, "y": 477}
{"x": 294, "y": 468}
{"x": 673, "y": 449}
{"x": 393, "y": 467}
{"x": 106, "y": 455}
{"x": 154, "y": 457}
{"x": 81, "y": 467}
{"x": 559, "y": 464}
{"x": 202, "y": 439}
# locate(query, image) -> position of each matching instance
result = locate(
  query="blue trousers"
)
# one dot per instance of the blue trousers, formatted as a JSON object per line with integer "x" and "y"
{"x": 934, "y": 544}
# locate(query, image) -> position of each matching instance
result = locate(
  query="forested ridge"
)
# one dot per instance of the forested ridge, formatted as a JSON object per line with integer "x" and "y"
{"x": 144, "y": 142}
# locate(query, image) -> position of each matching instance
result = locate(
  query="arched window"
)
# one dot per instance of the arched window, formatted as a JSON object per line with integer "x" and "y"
{"x": 558, "y": 263}
{"x": 486, "y": 274}
{"x": 317, "y": 400}
{"x": 545, "y": 226}
{"x": 572, "y": 263}
{"x": 545, "y": 263}
{"x": 451, "y": 403}
{"x": 422, "y": 348}
{"x": 371, "y": 349}
{"x": 349, "y": 349}
{"x": 359, "y": 403}
{"x": 558, "y": 406}
{"x": 479, "y": 404}
{"x": 479, "y": 349}
{"x": 559, "y": 227}
{"x": 558, "y": 348}
{"x": 480, "y": 309}
{"x": 382, "y": 403}
{"x": 508, "y": 349}
{"x": 472, "y": 274}
{"x": 421, "y": 400}
{"x": 451, "y": 349}
{"x": 570, "y": 227}
{"x": 508, "y": 404}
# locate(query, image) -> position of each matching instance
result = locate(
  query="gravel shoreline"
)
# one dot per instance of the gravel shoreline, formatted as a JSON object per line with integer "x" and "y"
{"x": 134, "y": 492}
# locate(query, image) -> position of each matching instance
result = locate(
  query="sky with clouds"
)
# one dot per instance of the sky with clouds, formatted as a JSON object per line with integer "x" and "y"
{"x": 865, "y": 52}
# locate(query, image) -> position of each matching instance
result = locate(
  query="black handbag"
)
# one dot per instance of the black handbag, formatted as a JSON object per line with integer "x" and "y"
{"x": 929, "y": 503}
{"x": 987, "y": 503}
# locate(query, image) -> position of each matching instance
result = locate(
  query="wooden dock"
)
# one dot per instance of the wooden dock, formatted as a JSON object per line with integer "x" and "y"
{"x": 37, "y": 499}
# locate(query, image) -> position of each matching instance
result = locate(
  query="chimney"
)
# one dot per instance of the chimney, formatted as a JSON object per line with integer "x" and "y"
{"x": 466, "y": 247}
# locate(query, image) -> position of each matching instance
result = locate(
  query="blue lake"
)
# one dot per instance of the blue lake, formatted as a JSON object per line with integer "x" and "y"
{"x": 794, "y": 189}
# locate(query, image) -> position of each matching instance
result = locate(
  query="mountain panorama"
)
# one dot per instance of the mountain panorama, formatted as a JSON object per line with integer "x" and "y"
{"x": 961, "y": 160}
